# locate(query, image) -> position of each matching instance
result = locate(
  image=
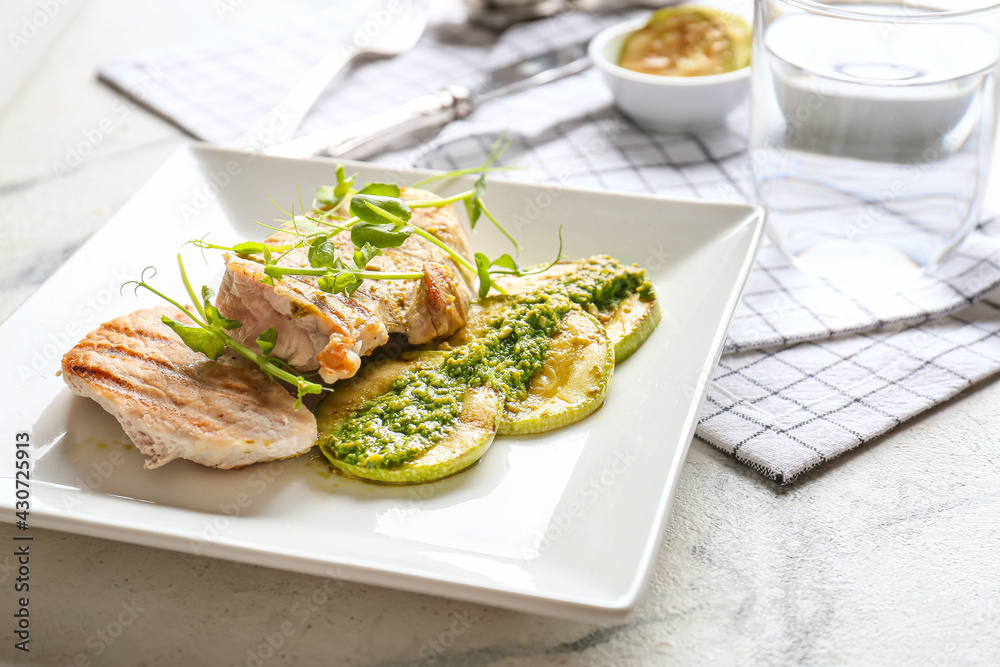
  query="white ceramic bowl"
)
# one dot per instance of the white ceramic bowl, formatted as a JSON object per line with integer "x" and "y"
{"x": 666, "y": 103}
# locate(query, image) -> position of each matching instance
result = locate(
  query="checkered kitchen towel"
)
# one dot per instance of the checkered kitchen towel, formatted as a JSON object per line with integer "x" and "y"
{"x": 811, "y": 370}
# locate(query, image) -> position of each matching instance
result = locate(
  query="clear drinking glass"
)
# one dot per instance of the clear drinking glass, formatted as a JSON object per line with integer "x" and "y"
{"x": 872, "y": 130}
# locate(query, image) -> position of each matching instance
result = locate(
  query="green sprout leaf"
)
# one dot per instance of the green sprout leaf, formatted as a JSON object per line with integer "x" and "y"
{"x": 197, "y": 338}
{"x": 500, "y": 146}
{"x": 209, "y": 337}
{"x": 250, "y": 248}
{"x": 304, "y": 387}
{"x": 217, "y": 319}
{"x": 323, "y": 254}
{"x": 377, "y": 209}
{"x": 381, "y": 189}
{"x": 330, "y": 196}
{"x": 365, "y": 254}
{"x": 267, "y": 340}
{"x": 342, "y": 282}
{"x": 344, "y": 184}
{"x": 325, "y": 196}
{"x": 474, "y": 204}
{"x": 380, "y": 235}
{"x": 212, "y": 315}
{"x": 505, "y": 261}
{"x": 483, "y": 269}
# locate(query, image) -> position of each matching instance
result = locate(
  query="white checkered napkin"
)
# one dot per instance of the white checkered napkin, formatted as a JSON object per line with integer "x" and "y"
{"x": 848, "y": 370}
{"x": 783, "y": 411}
{"x": 217, "y": 91}
{"x": 782, "y": 305}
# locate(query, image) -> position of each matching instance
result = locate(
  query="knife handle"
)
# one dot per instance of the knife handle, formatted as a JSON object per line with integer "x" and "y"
{"x": 384, "y": 131}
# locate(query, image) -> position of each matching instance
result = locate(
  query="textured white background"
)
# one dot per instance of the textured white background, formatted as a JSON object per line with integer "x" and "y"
{"x": 887, "y": 557}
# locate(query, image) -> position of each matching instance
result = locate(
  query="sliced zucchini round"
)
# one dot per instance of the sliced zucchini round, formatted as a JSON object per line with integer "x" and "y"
{"x": 571, "y": 384}
{"x": 464, "y": 445}
{"x": 629, "y": 324}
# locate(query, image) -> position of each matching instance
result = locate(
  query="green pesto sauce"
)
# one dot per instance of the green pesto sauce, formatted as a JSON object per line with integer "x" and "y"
{"x": 419, "y": 409}
{"x": 422, "y": 407}
{"x": 513, "y": 348}
{"x": 603, "y": 282}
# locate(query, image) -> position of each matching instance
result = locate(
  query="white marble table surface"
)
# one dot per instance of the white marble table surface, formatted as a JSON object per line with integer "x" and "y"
{"x": 889, "y": 556}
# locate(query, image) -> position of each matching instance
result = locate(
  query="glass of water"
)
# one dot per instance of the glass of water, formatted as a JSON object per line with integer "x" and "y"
{"x": 872, "y": 131}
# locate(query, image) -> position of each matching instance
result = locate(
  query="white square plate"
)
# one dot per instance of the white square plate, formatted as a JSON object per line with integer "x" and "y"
{"x": 565, "y": 523}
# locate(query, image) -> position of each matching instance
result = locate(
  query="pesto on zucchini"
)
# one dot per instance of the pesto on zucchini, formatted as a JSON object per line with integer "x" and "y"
{"x": 423, "y": 405}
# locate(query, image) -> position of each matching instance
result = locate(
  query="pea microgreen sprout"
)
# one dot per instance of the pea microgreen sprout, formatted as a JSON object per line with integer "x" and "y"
{"x": 335, "y": 275}
{"x": 473, "y": 199}
{"x": 497, "y": 150}
{"x": 209, "y": 336}
{"x": 507, "y": 265}
{"x": 379, "y": 219}
{"x": 329, "y": 197}
{"x": 384, "y": 223}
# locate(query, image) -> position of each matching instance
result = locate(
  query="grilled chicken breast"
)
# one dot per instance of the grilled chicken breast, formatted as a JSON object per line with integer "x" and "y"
{"x": 174, "y": 402}
{"x": 331, "y": 332}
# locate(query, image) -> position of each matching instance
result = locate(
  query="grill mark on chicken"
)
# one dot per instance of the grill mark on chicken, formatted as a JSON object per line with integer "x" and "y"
{"x": 176, "y": 403}
{"x": 104, "y": 378}
{"x": 127, "y": 353}
{"x": 150, "y": 336}
{"x": 123, "y": 352}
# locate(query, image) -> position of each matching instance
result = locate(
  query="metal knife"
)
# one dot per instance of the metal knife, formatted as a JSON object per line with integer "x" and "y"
{"x": 406, "y": 124}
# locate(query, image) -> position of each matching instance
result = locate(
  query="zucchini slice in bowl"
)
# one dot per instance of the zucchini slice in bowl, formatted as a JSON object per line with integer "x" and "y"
{"x": 571, "y": 384}
{"x": 466, "y": 442}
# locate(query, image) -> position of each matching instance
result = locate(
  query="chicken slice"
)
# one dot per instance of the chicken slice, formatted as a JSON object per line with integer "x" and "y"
{"x": 174, "y": 402}
{"x": 331, "y": 332}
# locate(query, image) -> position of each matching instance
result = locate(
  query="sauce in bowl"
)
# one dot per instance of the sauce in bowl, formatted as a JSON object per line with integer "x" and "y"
{"x": 688, "y": 41}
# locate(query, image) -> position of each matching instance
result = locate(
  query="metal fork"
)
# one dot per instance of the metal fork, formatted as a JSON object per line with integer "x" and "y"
{"x": 385, "y": 32}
